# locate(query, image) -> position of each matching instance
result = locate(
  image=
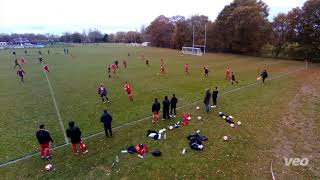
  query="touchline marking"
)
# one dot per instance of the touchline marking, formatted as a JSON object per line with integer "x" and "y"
{"x": 57, "y": 110}
{"x": 133, "y": 122}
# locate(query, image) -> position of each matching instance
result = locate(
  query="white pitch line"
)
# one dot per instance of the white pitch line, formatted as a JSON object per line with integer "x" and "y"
{"x": 57, "y": 110}
{"x": 133, "y": 122}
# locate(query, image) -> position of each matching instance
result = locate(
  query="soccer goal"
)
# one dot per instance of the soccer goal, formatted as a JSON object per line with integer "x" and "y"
{"x": 192, "y": 51}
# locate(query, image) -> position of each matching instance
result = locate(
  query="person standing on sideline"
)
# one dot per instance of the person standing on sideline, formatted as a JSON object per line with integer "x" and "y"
{"x": 74, "y": 133}
{"x": 106, "y": 119}
{"x": 155, "y": 110}
{"x": 102, "y": 91}
{"x": 173, "y": 103}
{"x": 44, "y": 140}
{"x": 166, "y": 107}
{"x": 233, "y": 79}
{"x": 206, "y": 100}
{"x": 215, "y": 96}
{"x": 264, "y": 75}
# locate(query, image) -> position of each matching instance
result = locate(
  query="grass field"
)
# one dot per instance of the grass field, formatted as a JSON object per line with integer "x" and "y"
{"x": 276, "y": 117}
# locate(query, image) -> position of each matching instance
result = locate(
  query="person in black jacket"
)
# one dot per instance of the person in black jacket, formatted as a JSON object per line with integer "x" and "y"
{"x": 74, "y": 133}
{"x": 44, "y": 140}
{"x": 106, "y": 119}
{"x": 173, "y": 103}
{"x": 215, "y": 96}
{"x": 155, "y": 110}
{"x": 166, "y": 107}
{"x": 264, "y": 75}
{"x": 206, "y": 100}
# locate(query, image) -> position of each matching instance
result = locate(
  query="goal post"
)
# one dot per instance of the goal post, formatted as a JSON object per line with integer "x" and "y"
{"x": 192, "y": 51}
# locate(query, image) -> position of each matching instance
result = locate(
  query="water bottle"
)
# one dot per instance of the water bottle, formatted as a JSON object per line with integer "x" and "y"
{"x": 117, "y": 158}
{"x": 124, "y": 151}
{"x": 165, "y": 136}
{"x": 184, "y": 150}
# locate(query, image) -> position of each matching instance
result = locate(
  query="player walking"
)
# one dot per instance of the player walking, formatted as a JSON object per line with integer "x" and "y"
{"x": 186, "y": 69}
{"x": 127, "y": 88}
{"x": 228, "y": 74}
{"x": 21, "y": 74}
{"x": 233, "y": 78}
{"x": 102, "y": 91}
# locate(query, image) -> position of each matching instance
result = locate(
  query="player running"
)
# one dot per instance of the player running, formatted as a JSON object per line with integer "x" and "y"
{"x": 102, "y": 91}
{"x": 228, "y": 74}
{"x": 186, "y": 69}
{"x": 127, "y": 88}
{"x": 21, "y": 74}
{"x": 125, "y": 64}
{"x": 16, "y": 63}
{"x": 113, "y": 67}
{"x": 233, "y": 78}
{"x": 46, "y": 68}
{"x": 206, "y": 71}
{"x": 109, "y": 71}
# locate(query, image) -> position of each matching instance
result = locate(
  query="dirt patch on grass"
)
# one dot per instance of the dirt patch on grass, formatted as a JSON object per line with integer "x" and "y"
{"x": 297, "y": 134}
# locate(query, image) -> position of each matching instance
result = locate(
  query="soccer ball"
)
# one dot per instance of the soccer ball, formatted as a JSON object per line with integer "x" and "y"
{"x": 189, "y": 118}
{"x": 225, "y": 138}
{"x": 48, "y": 167}
{"x": 199, "y": 118}
{"x": 232, "y": 125}
{"x": 239, "y": 123}
{"x": 198, "y": 107}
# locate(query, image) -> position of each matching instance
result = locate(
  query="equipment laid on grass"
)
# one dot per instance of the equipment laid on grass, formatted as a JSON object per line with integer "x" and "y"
{"x": 232, "y": 125}
{"x": 225, "y": 138}
{"x": 199, "y": 118}
{"x": 197, "y": 107}
{"x": 48, "y": 167}
{"x": 195, "y": 141}
{"x": 239, "y": 123}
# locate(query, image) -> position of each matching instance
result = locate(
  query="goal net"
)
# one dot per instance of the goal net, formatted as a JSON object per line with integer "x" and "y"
{"x": 192, "y": 51}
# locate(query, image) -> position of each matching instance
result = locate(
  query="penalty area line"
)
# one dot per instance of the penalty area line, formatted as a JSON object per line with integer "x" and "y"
{"x": 143, "y": 119}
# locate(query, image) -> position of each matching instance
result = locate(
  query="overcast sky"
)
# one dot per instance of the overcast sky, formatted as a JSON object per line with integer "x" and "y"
{"x": 58, "y": 16}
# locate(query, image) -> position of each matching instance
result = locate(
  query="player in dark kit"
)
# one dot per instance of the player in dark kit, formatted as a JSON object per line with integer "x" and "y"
{"x": 44, "y": 140}
{"x": 125, "y": 64}
{"x": 206, "y": 71}
{"x": 106, "y": 119}
{"x": 264, "y": 75}
{"x": 116, "y": 63}
{"x": 40, "y": 59}
{"x": 14, "y": 53}
{"x": 109, "y": 71}
{"x": 215, "y": 96}
{"x": 147, "y": 62}
{"x": 103, "y": 93}
{"x": 21, "y": 73}
{"x": 233, "y": 78}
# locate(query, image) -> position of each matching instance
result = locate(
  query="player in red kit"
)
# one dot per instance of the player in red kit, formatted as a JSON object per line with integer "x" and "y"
{"x": 228, "y": 74}
{"x": 46, "y": 68}
{"x": 127, "y": 88}
{"x": 186, "y": 68}
{"x": 162, "y": 70}
{"x": 113, "y": 67}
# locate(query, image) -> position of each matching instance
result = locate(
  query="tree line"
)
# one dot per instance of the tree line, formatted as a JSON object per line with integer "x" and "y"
{"x": 241, "y": 27}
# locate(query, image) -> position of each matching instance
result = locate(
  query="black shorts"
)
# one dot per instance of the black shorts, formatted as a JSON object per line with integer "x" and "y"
{"x": 103, "y": 95}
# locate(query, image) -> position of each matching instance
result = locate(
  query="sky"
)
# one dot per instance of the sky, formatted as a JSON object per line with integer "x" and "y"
{"x": 109, "y": 16}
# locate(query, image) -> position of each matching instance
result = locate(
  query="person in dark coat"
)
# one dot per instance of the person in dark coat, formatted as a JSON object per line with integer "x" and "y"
{"x": 106, "y": 119}
{"x": 173, "y": 103}
{"x": 155, "y": 111}
{"x": 233, "y": 79}
{"x": 166, "y": 107}
{"x": 206, "y": 100}
{"x": 74, "y": 133}
{"x": 44, "y": 140}
{"x": 215, "y": 96}
{"x": 264, "y": 75}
